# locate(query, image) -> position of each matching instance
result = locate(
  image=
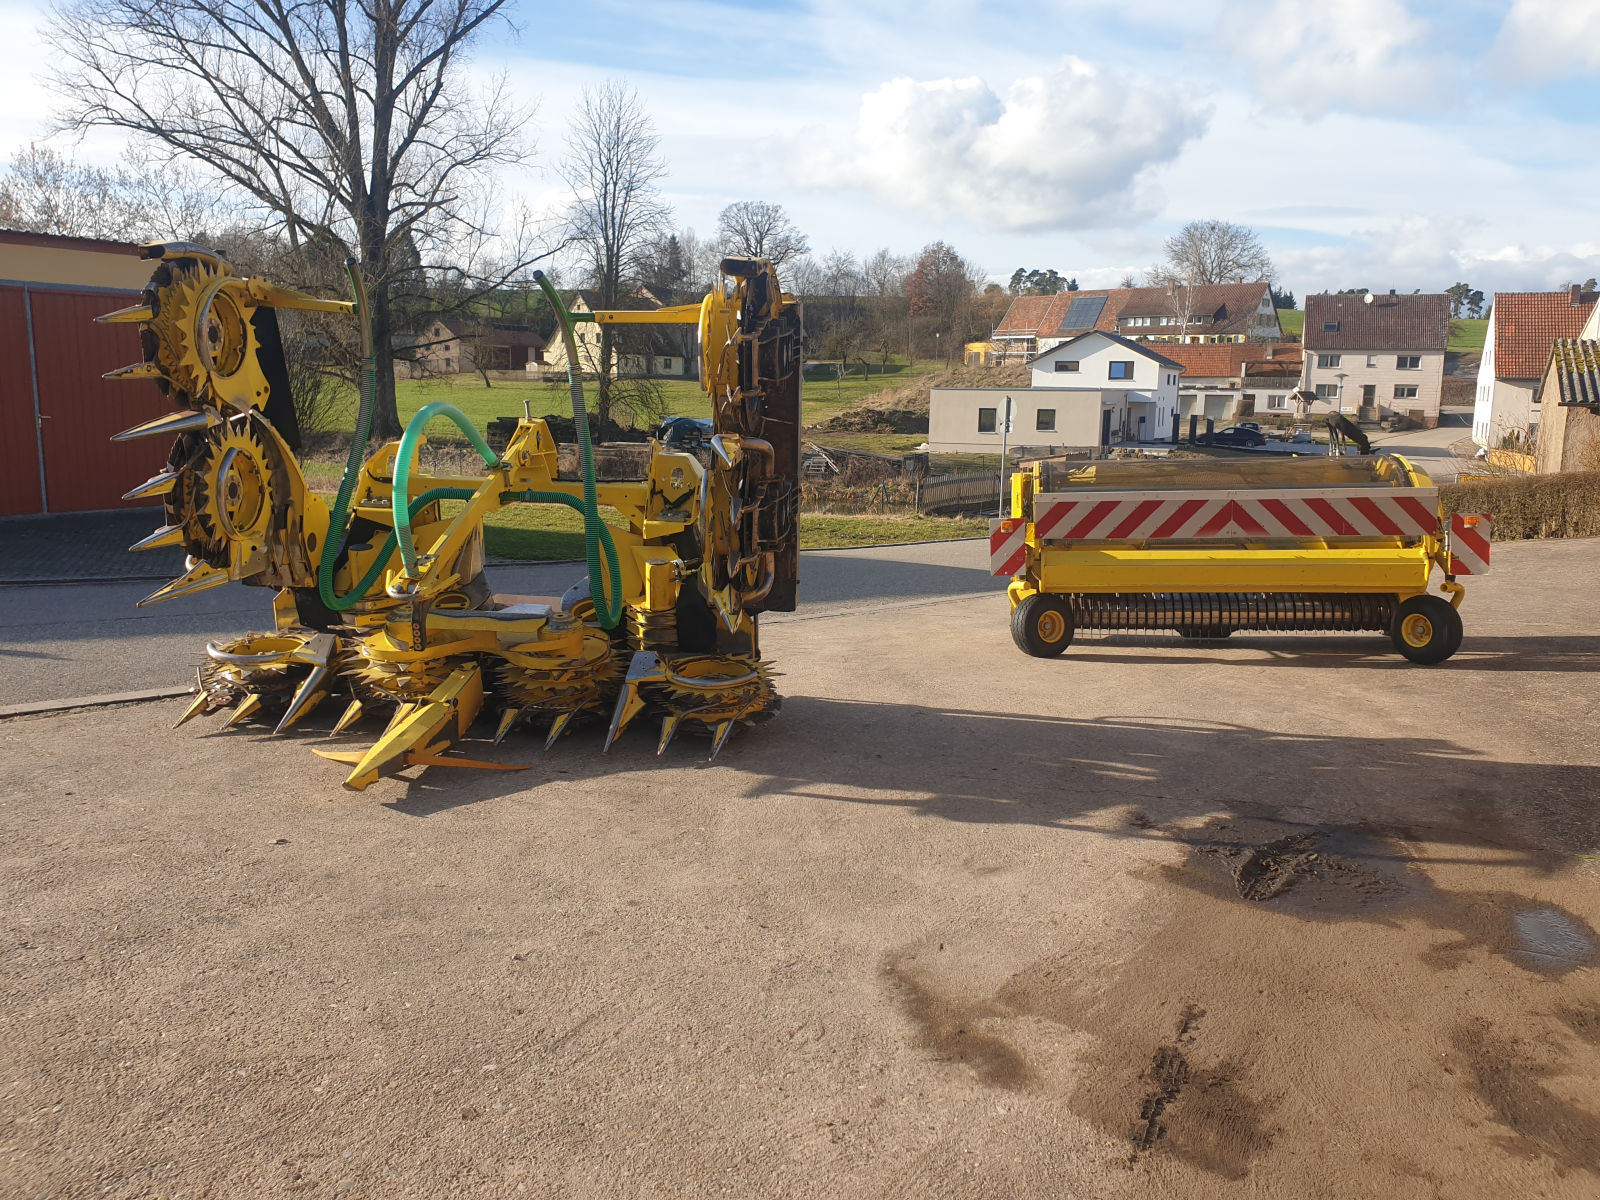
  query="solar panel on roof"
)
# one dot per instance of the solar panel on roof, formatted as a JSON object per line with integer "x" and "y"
{"x": 1083, "y": 312}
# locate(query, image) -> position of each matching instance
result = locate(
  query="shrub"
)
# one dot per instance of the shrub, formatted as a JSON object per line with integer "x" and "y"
{"x": 1531, "y": 506}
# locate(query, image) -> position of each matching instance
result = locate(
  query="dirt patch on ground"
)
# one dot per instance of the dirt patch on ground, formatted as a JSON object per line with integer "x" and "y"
{"x": 1249, "y": 1023}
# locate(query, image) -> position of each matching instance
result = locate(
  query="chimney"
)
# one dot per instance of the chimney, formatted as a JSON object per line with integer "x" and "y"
{"x": 1171, "y": 287}
{"x": 1238, "y": 278}
{"x": 1577, "y": 295}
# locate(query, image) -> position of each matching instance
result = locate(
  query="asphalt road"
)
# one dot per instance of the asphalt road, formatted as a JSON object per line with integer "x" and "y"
{"x": 66, "y": 641}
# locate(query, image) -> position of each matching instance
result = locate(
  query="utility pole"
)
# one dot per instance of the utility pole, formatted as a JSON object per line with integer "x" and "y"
{"x": 1005, "y": 478}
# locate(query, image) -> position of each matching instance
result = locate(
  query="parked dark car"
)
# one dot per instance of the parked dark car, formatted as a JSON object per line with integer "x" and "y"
{"x": 685, "y": 433}
{"x": 1238, "y": 435}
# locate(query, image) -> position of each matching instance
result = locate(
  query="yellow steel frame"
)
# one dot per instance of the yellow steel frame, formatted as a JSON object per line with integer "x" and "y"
{"x": 1390, "y": 566}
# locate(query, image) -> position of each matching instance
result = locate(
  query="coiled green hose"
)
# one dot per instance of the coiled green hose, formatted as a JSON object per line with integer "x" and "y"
{"x": 402, "y": 468}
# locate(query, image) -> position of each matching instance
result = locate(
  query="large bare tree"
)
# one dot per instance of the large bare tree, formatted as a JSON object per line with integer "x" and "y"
{"x": 1205, "y": 252}
{"x": 761, "y": 230}
{"x": 617, "y": 214}
{"x": 348, "y": 125}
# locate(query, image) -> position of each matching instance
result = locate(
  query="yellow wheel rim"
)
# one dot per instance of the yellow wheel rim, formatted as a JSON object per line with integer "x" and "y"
{"x": 1417, "y": 630}
{"x": 1051, "y": 626}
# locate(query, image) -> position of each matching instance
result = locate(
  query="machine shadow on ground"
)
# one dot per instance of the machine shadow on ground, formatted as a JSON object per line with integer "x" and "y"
{"x": 1117, "y": 777}
{"x": 1560, "y": 653}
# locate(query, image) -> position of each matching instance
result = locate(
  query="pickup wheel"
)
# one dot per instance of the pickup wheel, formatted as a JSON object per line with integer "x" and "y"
{"x": 1427, "y": 630}
{"x": 1042, "y": 626}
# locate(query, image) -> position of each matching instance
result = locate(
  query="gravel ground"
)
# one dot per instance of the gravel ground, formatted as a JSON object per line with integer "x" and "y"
{"x": 1282, "y": 914}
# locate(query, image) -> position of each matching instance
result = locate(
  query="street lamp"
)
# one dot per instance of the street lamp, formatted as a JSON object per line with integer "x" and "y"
{"x": 1341, "y": 377}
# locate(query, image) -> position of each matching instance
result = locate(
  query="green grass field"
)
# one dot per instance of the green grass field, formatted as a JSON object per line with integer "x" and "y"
{"x": 551, "y": 532}
{"x": 1293, "y": 321}
{"x": 1467, "y": 336}
{"x": 823, "y": 395}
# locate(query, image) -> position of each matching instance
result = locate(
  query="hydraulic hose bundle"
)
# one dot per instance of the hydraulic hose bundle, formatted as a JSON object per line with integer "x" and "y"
{"x": 608, "y": 593}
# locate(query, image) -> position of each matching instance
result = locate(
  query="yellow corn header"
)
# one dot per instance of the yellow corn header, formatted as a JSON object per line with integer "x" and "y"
{"x": 382, "y": 602}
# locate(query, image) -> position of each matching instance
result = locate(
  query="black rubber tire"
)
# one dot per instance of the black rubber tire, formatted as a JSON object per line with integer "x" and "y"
{"x": 1056, "y": 618}
{"x": 1444, "y": 630}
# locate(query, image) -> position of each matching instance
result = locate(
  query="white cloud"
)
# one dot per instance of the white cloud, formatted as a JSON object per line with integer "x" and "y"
{"x": 1549, "y": 38}
{"x": 1432, "y": 253}
{"x": 1315, "y": 56}
{"x": 1062, "y": 151}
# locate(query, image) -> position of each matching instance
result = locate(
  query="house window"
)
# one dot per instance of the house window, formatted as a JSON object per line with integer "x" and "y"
{"x": 1045, "y": 420}
{"x": 1066, "y": 366}
{"x": 1372, "y": 360}
{"x": 1121, "y": 370}
{"x": 1328, "y": 362}
{"x": 449, "y": 364}
{"x": 986, "y": 420}
{"x": 437, "y": 332}
{"x": 1327, "y": 391}
{"x": 1277, "y": 402}
{"x": 1403, "y": 392}
{"x": 1330, "y": 327}
{"x": 1408, "y": 362}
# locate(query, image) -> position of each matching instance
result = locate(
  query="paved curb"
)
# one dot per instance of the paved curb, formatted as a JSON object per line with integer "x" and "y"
{"x": 94, "y": 579}
{"x": 49, "y": 706}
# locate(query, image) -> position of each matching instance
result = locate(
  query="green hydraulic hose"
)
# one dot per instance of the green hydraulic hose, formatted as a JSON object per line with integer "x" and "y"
{"x": 367, "y": 381}
{"x": 609, "y": 546}
{"x": 402, "y": 469}
{"x": 607, "y": 607}
{"x": 376, "y": 571}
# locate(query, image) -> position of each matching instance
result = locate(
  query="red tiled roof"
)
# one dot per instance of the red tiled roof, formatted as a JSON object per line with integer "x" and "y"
{"x": 1226, "y": 360}
{"x": 1527, "y": 324}
{"x": 1223, "y": 308}
{"x": 1389, "y": 323}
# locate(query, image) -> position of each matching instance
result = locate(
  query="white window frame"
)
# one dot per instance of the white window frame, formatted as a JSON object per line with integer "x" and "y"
{"x": 1328, "y": 362}
{"x": 1277, "y": 402}
{"x": 1408, "y": 362}
{"x": 1405, "y": 391}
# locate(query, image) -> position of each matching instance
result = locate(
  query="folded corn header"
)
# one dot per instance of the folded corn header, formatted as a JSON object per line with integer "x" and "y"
{"x": 382, "y": 603}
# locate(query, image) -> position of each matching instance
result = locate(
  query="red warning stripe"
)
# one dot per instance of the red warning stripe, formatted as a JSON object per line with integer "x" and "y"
{"x": 1178, "y": 519}
{"x": 1475, "y": 543}
{"x": 1051, "y": 518}
{"x": 1427, "y": 520}
{"x": 1136, "y": 518}
{"x": 1368, "y": 508}
{"x": 1330, "y": 517}
{"x": 1231, "y": 513}
{"x": 1287, "y": 519}
{"x": 1096, "y": 514}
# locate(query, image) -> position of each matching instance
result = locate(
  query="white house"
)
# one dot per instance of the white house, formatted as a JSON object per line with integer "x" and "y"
{"x": 1143, "y": 382}
{"x": 1097, "y": 389}
{"x": 1516, "y": 350}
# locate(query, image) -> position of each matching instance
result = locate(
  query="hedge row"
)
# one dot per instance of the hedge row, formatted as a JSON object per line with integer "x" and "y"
{"x": 1531, "y": 506}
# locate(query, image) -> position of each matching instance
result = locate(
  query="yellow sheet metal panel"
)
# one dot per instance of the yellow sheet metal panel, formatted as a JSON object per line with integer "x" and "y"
{"x": 1235, "y": 569}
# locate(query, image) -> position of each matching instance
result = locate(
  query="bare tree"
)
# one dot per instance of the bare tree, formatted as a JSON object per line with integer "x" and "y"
{"x": 761, "y": 230}
{"x": 1205, "y": 252}
{"x": 613, "y": 165}
{"x": 884, "y": 274}
{"x": 348, "y": 126}
{"x": 46, "y": 192}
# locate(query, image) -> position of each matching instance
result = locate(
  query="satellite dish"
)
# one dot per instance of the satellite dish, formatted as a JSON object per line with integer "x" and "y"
{"x": 1367, "y": 299}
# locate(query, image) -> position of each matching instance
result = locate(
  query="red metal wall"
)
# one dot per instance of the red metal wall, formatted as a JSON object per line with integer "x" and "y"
{"x": 84, "y": 469}
{"x": 19, "y": 447}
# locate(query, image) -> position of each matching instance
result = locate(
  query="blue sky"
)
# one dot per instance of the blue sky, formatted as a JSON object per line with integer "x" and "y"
{"x": 1376, "y": 143}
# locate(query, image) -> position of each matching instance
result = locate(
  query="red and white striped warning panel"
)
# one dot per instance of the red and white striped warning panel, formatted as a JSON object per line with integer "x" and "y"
{"x": 1334, "y": 513}
{"x": 1008, "y": 545}
{"x": 1469, "y": 543}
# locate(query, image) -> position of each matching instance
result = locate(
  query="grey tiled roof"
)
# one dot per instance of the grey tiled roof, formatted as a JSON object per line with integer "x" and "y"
{"x": 1575, "y": 363}
{"x": 1388, "y": 323}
